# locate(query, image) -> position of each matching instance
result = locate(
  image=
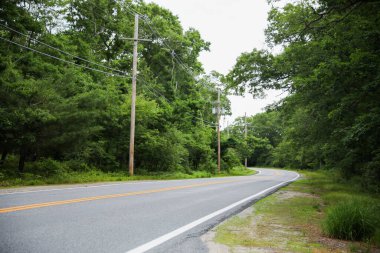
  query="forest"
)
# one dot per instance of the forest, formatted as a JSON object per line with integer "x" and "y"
{"x": 65, "y": 86}
{"x": 65, "y": 79}
{"x": 329, "y": 63}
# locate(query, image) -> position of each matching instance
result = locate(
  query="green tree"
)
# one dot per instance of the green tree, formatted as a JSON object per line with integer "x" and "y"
{"x": 330, "y": 66}
{"x": 52, "y": 112}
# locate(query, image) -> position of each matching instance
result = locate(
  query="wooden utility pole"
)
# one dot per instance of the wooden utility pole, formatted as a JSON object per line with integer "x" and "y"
{"x": 228, "y": 129}
{"x": 133, "y": 101}
{"x": 218, "y": 122}
{"x": 245, "y": 136}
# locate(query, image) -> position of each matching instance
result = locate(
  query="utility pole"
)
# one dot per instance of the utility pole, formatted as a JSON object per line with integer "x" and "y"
{"x": 218, "y": 111}
{"x": 245, "y": 136}
{"x": 133, "y": 101}
{"x": 228, "y": 129}
{"x": 218, "y": 120}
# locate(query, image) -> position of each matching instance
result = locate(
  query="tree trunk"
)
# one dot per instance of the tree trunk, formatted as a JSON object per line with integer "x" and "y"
{"x": 21, "y": 162}
{"x": 123, "y": 161}
{"x": 3, "y": 156}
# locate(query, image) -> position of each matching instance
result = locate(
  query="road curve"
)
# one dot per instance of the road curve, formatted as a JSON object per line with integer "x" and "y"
{"x": 154, "y": 216}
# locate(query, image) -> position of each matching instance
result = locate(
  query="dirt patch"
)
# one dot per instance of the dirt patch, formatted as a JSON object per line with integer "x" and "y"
{"x": 213, "y": 246}
{"x": 284, "y": 195}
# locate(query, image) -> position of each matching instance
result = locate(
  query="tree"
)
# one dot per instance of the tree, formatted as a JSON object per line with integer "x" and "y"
{"x": 78, "y": 114}
{"x": 330, "y": 66}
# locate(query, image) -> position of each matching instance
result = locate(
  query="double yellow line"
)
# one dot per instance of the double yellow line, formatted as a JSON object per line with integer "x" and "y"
{"x": 111, "y": 196}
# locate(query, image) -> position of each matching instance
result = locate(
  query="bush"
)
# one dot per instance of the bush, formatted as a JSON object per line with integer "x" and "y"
{"x": 231, "y": 159}
{"x": 9, "y": 167}
{"x": 77, "y": 165}
{"x": 209, "y": 166}
{"x": 47, "y": 168}
{"x": 355, "y": 219}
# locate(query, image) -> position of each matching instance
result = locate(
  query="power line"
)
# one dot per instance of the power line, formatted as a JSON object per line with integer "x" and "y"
{"x": 153, "y": 91}
{"x": 61, "y": 51}
{"x": 173, "y": 54}
{"x": 60, "y": 59}
{"x": 157, "y": 94}
{"x": 142, "y": 16}
{"x": 176, "y": 58}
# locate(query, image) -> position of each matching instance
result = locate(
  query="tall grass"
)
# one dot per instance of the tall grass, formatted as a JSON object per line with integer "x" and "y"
{"x": 355, "y": 219}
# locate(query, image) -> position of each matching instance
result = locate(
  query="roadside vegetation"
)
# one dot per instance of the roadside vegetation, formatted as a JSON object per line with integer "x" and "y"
{"x": 53, "y": 172}
{"x": 329, "y": 65}
{"x": 317, "y": 213}
{"x": 65, "y": 94}
{"x": 328, "y": 126}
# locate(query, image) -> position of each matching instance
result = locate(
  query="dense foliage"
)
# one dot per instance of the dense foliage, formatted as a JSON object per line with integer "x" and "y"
{"x": 329, "y": 63}
{"x": 56, "y": 116}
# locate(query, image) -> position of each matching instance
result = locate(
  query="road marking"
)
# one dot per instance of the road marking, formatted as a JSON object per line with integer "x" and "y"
{"x": 71, "y": 201}
{"x": 149, "y": 245}
{"x": 59, "y": 189}
{"x": 80, "y": 187}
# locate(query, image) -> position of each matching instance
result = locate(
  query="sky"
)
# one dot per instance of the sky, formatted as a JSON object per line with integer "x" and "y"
{"x": 232, "y": 27}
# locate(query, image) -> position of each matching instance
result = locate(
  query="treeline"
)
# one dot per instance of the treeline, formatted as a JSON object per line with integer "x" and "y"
{"x": 330, "y": 65}
{"x": 65, "y": 89}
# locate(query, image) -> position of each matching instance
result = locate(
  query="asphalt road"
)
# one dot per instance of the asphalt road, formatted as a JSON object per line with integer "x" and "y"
{"x": 153, "y": 216}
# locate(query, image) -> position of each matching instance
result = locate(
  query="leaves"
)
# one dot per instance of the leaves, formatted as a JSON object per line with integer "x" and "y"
{"x": 330, "y": 65}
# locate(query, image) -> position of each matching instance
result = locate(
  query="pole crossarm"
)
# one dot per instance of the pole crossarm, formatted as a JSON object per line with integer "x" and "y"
{"x": 145, "y": 40}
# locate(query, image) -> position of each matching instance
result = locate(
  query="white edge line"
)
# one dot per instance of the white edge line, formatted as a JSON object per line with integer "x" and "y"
{"x": 149, "y": 245}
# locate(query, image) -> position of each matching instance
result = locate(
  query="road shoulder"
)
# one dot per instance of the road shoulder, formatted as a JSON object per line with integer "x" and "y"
{"x": 287, "y": 221}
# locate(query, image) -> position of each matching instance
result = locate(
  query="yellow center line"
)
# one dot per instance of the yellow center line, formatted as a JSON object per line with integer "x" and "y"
{"x": 71, "y": 201}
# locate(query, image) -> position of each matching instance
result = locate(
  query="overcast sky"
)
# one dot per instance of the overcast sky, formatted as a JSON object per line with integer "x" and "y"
{"x": 232, "y": 27}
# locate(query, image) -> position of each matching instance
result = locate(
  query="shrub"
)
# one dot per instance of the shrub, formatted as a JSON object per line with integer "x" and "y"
{"x": 231, "y": 159}
{"x": 47, "y": 168}
{"x": 354, "y": 219}
{"x": 77, "y": 165}
{"x": 209, "y": 166}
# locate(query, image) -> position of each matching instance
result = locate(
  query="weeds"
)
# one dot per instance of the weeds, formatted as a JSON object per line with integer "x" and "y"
{"x": 354, "y": 220}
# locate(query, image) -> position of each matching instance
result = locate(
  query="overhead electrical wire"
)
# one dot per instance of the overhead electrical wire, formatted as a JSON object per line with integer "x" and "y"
{"x": 151, "y": 89}
{"x": 60, "y": 59}
{"x": 174, "y": 56}
{"x": 61, "y": 51}
{"x": 159, "y": 95}
{"x": 150, "y": 24}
